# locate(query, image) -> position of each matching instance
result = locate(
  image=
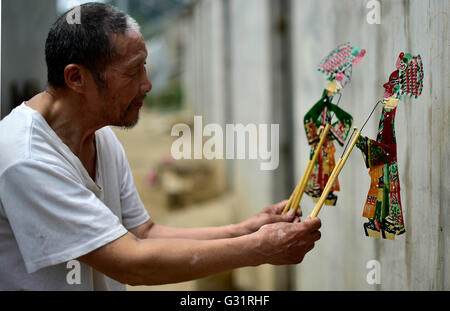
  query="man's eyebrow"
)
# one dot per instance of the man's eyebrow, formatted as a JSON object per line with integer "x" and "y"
{"x": 136, "y": 61}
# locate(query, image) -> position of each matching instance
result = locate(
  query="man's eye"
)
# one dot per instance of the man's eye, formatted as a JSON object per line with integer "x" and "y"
{"x": 134, "y": 72}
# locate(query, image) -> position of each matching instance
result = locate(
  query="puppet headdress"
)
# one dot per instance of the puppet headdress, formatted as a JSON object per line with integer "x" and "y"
{"x": 410, "y": 69}
{"x": 407, "y": 80}
{"x": 341, "y": 59}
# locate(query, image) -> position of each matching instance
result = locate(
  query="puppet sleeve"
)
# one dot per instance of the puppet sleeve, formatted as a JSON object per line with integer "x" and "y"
{"x": 374, "y": 153}
{"x": 312, "y": 134}
{"x": 339, "y": 130}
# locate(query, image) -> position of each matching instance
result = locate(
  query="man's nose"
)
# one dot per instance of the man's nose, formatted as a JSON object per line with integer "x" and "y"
{"x": 147, "y": 85}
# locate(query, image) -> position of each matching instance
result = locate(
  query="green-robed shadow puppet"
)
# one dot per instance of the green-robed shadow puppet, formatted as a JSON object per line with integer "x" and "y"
{"x": 321, "y": 131}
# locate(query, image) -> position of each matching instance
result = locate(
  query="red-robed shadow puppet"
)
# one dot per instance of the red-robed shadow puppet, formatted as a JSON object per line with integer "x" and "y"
{"x": 383, "y": 206}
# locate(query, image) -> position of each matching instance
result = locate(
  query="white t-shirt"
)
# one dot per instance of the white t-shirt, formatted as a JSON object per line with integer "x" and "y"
{"x": 51, "y": 211}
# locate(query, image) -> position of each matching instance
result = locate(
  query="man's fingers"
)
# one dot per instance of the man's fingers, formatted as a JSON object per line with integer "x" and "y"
{"x": 316, "y": 235}
{"x": 308, "y": 228}
{"x": 280, "y": 206}
{"x": 313, "y": 223}
{"x": 289, "y": 215}
{"x": 310, "y": 247}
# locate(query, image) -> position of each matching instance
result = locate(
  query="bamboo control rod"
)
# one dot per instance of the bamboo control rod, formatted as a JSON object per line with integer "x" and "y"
{"x": 296, "y": 196}
{"x": 337, "y": 169}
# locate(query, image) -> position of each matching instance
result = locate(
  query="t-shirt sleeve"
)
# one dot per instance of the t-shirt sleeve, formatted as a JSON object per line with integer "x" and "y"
{"x": 134, "y": 213}
{"x": 54, "y": 217}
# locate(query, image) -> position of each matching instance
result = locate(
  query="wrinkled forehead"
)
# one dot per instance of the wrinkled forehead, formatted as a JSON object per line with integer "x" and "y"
{"x": 129, "y": 47}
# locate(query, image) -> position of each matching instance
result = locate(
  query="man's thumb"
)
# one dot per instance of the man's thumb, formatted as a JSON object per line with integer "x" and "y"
{"x": 289, "y": 215}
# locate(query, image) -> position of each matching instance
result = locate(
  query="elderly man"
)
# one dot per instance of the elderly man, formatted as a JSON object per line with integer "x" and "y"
{"x": 66, "y": 188}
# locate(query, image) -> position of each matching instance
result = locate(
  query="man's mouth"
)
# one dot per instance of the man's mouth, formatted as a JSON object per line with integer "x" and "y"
{"x": 140, "y": 102}
{"x": 137, "y": 104}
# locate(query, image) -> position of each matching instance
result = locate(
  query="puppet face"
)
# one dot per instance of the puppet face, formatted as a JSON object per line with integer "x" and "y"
{"x": 344, "y": 77}
{"x": 391, "y": 87}
{"x": 332, "y": 88}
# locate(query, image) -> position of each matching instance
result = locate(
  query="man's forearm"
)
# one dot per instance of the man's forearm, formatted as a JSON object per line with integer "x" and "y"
{"x": 206, "y": 233}
{"x": 161, "y": 261}
{"x": 169, "y": 261}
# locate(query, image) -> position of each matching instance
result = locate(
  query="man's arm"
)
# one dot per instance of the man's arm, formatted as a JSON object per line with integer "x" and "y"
{"x": 150, "y": 230}
{"x": 271, "y": 214}
{"x": 158, "y": 261}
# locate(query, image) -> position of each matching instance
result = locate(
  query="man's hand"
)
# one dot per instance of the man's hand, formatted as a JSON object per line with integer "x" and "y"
{"x": 287, "y": 243}
{"x": 269, "y": 215}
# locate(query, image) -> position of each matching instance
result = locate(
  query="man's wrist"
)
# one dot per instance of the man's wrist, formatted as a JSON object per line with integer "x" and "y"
{"x": 237, "y": 230}
{"x": 252, "y": 244}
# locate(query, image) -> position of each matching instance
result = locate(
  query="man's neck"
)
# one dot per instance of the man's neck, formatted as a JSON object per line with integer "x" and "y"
{"x": 65, "y": 115}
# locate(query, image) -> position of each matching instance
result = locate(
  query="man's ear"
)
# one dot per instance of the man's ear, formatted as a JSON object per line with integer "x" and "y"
{"x": 75, "y": 77}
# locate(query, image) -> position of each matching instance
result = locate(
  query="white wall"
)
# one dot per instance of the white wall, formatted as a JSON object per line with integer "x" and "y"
{"x": 0, "y": 57}
{"x": 239, "y": 93}
{"x": 416, "y": 260}
{"x": 419, "y": 259}
{"x": 250, "y": 100}
{"x": 251, "y": 91}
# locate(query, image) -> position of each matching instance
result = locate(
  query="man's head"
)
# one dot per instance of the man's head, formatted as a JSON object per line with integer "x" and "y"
{"x": 101, "y": 59}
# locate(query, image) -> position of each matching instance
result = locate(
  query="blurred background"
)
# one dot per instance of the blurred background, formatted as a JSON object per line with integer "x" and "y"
{"x": 255, "y": 61}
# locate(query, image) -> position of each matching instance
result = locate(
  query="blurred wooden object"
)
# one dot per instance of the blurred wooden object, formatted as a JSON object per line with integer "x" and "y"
{"x": 191, "y": 181}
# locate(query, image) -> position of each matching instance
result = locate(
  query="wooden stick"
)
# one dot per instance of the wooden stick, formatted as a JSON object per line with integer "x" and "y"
{"x": 334, "y": 175}
{"x": 309, "y": 169}
{"x": 298, "y": 189}
{"x": 296, "y": 196}
{"x": 292, "y": 197}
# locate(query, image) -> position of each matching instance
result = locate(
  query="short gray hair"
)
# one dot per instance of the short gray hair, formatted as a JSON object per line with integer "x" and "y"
{"x": 87, "y": 43}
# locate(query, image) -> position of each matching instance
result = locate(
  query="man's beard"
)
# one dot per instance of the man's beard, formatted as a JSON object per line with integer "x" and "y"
{"x": 124, "y": 120}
